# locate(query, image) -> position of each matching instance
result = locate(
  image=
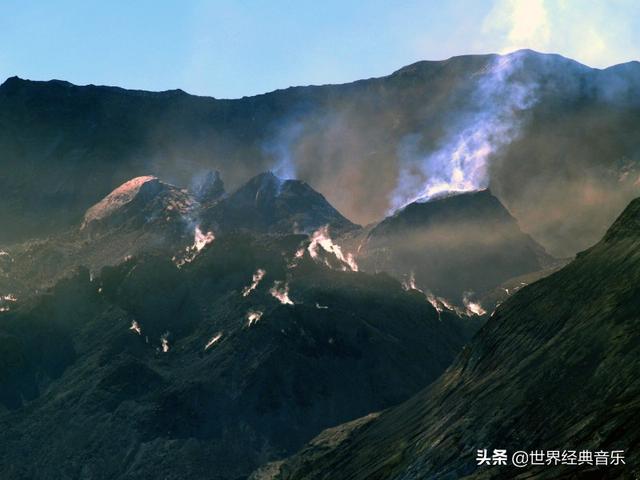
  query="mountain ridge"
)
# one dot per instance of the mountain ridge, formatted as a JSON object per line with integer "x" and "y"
{"x": 64, "y": 147}
{"x": 16, "y": 79}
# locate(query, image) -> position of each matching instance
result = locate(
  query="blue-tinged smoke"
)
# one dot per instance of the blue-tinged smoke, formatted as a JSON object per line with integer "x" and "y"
{"x": 460, "y": 163}
{"x": 281, "y": 149}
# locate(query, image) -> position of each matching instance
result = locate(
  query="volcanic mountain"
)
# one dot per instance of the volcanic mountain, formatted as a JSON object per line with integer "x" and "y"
{"x": 142, "y": 215}
{"x": 147, "y": 215}
{"x": 462, "y": 243}
{"x": 148, "y": 370}
{"x": 269, "y": 204}
{"x": 557, "y": 367}
{"x": 571, "y": 168}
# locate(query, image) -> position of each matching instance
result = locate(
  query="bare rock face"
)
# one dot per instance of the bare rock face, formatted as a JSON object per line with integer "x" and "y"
{"x": 139, "y": 188}
{"x": 269, "y": 204}
{"x": 138, "y": 202}
{"x": 208, "y": 188}
{"x": 460, "y": 243}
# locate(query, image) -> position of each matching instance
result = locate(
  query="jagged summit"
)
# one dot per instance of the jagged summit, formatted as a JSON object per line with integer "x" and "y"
{"x": 448, "y": 206}
{"x": 138, "y": 203}
{"x": 267, "y": 203}
{"x": 208, "y": 187}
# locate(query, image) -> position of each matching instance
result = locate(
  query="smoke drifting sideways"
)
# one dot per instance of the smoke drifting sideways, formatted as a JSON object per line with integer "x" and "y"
{"x": 460, "y": 163}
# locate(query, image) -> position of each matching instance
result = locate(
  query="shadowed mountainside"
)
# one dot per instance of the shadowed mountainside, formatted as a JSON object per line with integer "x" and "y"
{"x": 555, "y": 367}
{"x": 149, "y": 370}
{"x": 461, "y": 243}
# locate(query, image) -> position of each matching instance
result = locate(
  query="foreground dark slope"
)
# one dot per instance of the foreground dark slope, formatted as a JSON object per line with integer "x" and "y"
{"x": 556, "y": 367}
{"x": 63, "y": 147}
{"x": 82, "y": 395}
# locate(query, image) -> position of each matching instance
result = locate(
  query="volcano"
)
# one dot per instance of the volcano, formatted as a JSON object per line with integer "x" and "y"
{"x": 556, "y": 367}
{"x": 268, "y": 204}
{"x": 460, "y": 243}
{"x": 147, "y": 215}
{"x": 64, "y": 147}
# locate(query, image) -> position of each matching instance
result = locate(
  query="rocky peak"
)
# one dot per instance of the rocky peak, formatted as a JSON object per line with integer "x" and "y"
{"x": 208, "y": 187}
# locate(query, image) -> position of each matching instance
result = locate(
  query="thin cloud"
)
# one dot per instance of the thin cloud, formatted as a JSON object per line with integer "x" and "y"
{"x": 596, "y": 33}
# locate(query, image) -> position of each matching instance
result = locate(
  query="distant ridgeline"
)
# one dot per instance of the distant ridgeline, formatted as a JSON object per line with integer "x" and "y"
{"x": 564, "y": 174}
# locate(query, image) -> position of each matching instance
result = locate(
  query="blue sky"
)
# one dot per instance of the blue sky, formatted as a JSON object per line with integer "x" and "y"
{"x": 229, "y": 49}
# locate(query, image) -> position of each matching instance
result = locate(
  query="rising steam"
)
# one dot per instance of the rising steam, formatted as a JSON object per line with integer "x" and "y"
{"x": 215, "y": 339}
{"x": 460, "y": 162}
{"x": 280, "y": 291}
{"x": 200, "y": 240}
{"x": 320, "y": 240}
{"x": 409, "y": 283}
{"x": 164, "y": 342}
{"x": 473, "y": 308}
{"x": 280, "y": 148}
{"x": 253, "y": 317}
{"x": 135, "y": 327}
{"x": 257, "y": 277}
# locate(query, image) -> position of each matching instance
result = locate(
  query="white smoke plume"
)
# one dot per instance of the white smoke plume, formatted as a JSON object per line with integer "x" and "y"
{"x": 135, "y": 327}
{"x": 280, "y": 291}
{"x": 255, "y": 281}
{"x": 409, "y": 283}
{"x": 281, "y": 149}
{"x": 164, "y": 342}
{"x": 320, "y": 239}
{"x": 215, "y": 339}
{"x": 200, "y": 240}
{"x": 473, "y": 308}
{"x": 253, "y": 317}
{"x": 295, "y": 261}
{"x": 460, "y": 162}
{"x": 438, "y": 303}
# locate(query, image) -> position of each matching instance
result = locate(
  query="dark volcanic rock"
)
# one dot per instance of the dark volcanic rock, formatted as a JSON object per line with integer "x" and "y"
{"x": 464, "y": 242}
{"x": 139, "y": 202}
{"x": 142, "y": 215}
{"x": 557, "y": 367}
{"x": 146, "y": 215}
{"x": 208, "y": 188}
{"x": 245, "y": 379}
{"x": 270, "y": 204}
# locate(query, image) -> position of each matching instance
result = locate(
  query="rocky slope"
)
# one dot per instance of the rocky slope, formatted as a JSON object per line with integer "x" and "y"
{"x": 454, "y": 246}
{"x": 142, "y": 215}
{"x": 234, "y": 359}
{"x": 555, "y": 368}
{"x": 147, "y": 215}
{"x": 269, "y": 204}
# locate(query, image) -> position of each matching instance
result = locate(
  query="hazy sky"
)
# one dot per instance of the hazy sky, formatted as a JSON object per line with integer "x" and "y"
{"x": 232, "y": 48}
